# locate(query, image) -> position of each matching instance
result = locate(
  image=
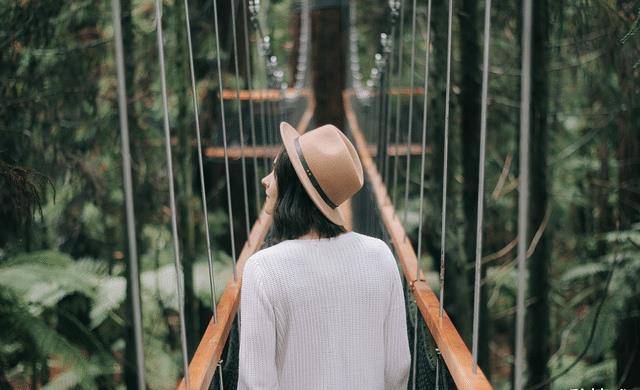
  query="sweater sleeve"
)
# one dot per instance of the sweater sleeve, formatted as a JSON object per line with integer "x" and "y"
{"x": 397, "y": 355}
{"x": 257, "y": 333}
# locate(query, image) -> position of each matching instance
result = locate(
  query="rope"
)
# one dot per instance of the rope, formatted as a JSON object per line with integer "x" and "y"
{"x": 479, "y": 218}
{"x": 134, "y": 275}
{"x": 523, "y": 190}
{"x": 247, "y": 52}
{"x": 243, "y": 161}
{"x": 205, "y": 212}
{"x": 413, "y": 66}
{"x": 172, "y": 196}
{"x": 224, "y": 141}
{"x": 424, "y": 145}
{"x": 445, "y": 168}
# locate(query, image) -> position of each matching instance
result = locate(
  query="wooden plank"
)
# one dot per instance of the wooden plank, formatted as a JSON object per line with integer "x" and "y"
{"x": 406, "y": 91}
{"x": 401, "y": 91}
{"x": 203, "y": 365}
{"x": 270, "y": 151}
{"x": 455, "y": 353}
{"x": 263, "y": 94}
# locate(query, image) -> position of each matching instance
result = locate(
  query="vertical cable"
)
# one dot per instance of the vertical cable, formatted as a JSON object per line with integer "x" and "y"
{"x": 445, "y": 168}
{"x": 398, "y": 101}
{"x": 172, "y": 196}
{"x": 224, "y": 141}
{"x": 303, "y": 48}
{"x": 523, "y": 188}
{"x": 243, "y": 161}
{"x": 387, "y": 118}
{"x": 422, "y": 163}
{"x": 410, "y": 127}
{"x": 247, "y": 53}
{"x": 437, "y": 369}
{"x": 263, "y": 124}
{"x": 134, "y": 274}
{"x": 480, "y": 211}
{"x": 205, "y": 212}
{"x": 424, "y": 135}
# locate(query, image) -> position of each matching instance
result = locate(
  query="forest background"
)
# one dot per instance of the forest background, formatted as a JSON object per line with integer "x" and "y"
{"x": 64, "y": 301}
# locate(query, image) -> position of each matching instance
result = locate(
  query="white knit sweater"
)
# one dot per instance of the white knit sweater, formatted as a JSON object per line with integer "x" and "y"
{"x": 323, "y": 314}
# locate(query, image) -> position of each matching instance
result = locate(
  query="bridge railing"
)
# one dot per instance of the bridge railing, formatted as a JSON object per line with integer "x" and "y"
{"x": 203, "y": 365}
{"x": 455, "y": 353}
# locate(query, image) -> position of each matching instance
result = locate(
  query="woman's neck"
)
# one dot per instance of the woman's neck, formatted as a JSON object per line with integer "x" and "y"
{"x": 310, "y": 235}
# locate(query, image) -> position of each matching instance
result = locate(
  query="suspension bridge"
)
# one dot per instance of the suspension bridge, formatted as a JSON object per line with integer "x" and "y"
{"x": 440, "y": 357}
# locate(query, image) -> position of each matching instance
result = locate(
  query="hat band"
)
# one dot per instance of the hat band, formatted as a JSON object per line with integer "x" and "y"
{"x": 312, "y": 178}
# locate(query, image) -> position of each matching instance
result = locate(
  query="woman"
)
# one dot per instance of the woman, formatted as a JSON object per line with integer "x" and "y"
{"x": 323, "y": 308}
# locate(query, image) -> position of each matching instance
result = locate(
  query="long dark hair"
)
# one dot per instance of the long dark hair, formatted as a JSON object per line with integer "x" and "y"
{"x": 295, "y": 214}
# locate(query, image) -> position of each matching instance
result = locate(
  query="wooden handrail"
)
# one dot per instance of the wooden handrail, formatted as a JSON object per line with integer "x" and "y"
{"x": 205, "y": 360}
{"x": 455, "y": 353}
{"x": 204, "y": 363}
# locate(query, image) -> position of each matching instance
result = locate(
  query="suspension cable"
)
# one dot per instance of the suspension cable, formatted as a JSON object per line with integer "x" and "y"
{"x": 410, "y": 127}
{"x": 243, "y": 162}
{"x": 172, "y": 196}
{"x": 480, "y": 210}
{"x": 205, "y": 212}
{"x": 445, "y": 168}
{"x": 134, "y": 274}
{"x": 224, "y": 141}
{"x": 523, "y": 189}
{"x": 398, "y": 101}
{"x": 249, "y": 82}
{"x": 422, "y": 163}
{"x": 388, "y": 50}
{"x": 303, "y": 48}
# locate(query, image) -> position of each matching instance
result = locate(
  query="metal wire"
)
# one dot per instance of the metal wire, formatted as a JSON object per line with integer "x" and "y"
{"x": 205, "y": 212}
{"x": 134, "y": 274}
{"x": 410, "y": 126}
{"x": 424, "y": 145}
{"x": 243, "y": 161}
{"x": 249, "y": 81}
{"x": 523, "y": 190}
{"x": 387, "y": 120}
{"x": 303, "y": 48}
{"x": 424, "y": 136}
{"x": 398, "y": 101}
{"x": 479, "y": 217}
{"x": 224, "y": 141}
{"x": 172, "y": 197}
{"x": 445, "y": 168}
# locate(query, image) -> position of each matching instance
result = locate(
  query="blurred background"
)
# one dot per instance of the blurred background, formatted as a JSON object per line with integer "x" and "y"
{"x": 65, "y": 304}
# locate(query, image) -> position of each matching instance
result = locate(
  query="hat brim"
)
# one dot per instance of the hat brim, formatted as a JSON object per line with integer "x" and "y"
{"x": 288, "y": 134}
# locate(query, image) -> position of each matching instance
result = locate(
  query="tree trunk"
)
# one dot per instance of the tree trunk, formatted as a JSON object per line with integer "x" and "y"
{"x": 328, "y": 61}
{"x": 538, "y": 331}
{"x": 628, "y": 332}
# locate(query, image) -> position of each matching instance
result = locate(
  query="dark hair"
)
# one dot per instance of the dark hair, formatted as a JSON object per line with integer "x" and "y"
{"x": 295, "y": 214}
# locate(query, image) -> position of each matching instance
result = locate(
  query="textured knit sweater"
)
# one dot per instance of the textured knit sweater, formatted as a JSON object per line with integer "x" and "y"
{"x": 323, "y": 314}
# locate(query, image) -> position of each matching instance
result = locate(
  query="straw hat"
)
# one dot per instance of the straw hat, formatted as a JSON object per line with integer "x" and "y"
{"x": 327, "y": 164}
